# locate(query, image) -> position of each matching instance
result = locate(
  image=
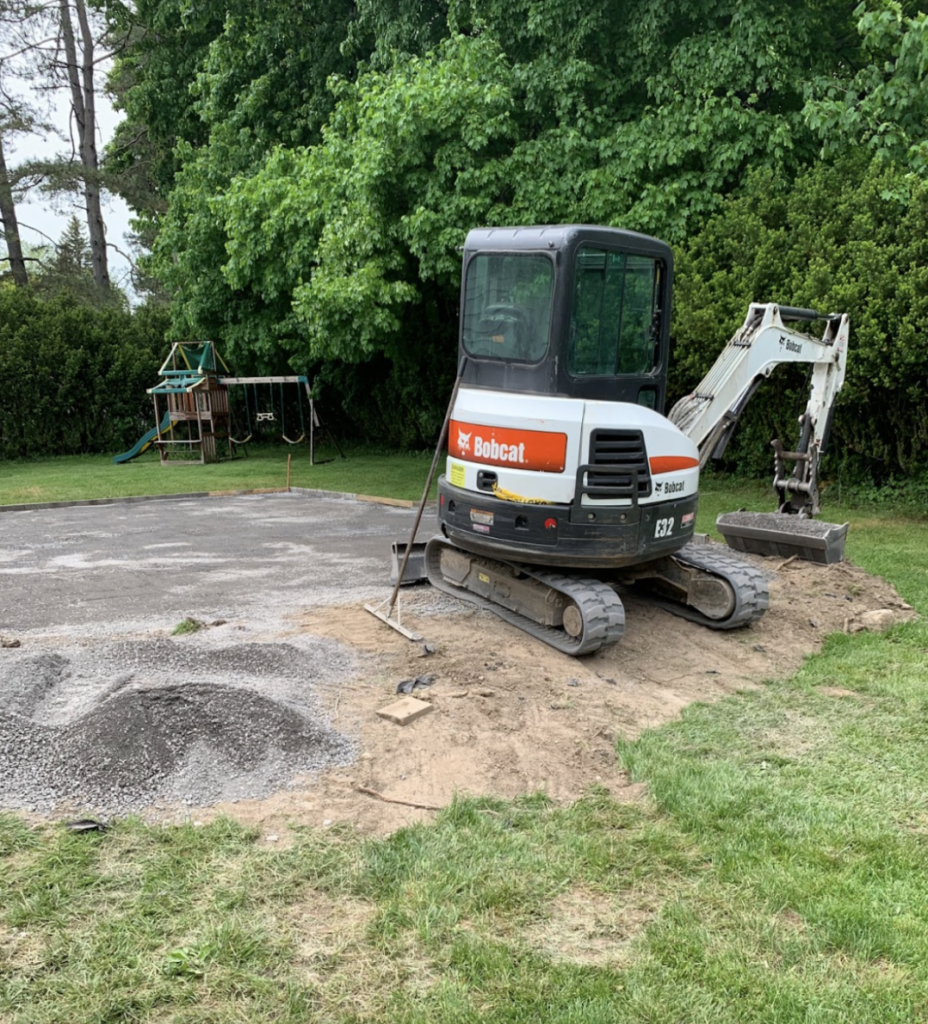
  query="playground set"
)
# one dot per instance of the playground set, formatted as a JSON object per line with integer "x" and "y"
{"x": 194, "y": 417}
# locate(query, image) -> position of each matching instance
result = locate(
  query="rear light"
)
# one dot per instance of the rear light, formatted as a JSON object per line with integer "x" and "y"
{"x": 550, "y": 524}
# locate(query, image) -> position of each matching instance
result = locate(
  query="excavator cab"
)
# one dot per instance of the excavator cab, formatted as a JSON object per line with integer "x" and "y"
{"x": 565, "y": 483}
{"x": 559, "y": 452}
{"x": 574, "y": 311}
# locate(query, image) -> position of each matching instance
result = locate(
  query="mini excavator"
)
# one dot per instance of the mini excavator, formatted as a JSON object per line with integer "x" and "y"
{"x": 565, "y": 482}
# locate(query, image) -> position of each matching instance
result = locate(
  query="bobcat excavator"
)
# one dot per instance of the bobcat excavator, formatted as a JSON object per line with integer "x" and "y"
{"x": 565, "y": 482}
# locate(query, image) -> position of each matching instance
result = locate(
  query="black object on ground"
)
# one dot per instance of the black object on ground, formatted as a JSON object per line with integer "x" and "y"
{"x": 415, "y": 564}
{"x": 419, "y": 683}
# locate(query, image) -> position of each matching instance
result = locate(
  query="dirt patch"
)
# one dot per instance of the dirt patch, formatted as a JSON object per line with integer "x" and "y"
{"x": 20, "y": 949}
{"x": 514, "y": 716}
{"x": 791, "y": 920}
{"x": 275, "y": 721}
{"x": 591, "y": 928}
{"x": 324, "y": 927}
{"x": 333, "y": 953}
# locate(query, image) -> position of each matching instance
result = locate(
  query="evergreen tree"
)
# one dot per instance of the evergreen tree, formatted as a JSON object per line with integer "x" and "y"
{"x": 68, "y": 269}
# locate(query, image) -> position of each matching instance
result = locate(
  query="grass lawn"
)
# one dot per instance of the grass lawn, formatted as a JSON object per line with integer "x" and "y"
{"x": 776, "y": 874}
{"x": 72, "y": 478}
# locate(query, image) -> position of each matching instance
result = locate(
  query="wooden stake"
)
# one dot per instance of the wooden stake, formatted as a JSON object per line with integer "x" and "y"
{"x": 288, "y": 472}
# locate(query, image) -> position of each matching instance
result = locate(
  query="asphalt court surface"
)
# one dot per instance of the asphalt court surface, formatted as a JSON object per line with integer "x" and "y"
{"x": 160, "y": 561}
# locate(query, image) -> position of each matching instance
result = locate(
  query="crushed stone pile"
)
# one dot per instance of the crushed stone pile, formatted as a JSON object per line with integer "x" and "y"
{"x": 119, "y": 728}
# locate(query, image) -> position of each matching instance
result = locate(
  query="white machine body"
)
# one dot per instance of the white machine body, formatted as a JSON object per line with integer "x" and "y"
{"x": 536, "y": 443}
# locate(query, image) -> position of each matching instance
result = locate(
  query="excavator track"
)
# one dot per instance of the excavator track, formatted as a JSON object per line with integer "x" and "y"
{"x": 749, "y": 586}
{"x": 602, "y": 614}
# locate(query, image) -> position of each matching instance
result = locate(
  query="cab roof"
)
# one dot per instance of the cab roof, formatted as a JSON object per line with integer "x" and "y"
{"x": 562, "y": 236}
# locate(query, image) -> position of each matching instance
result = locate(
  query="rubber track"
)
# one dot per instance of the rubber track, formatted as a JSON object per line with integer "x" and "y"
{"x": 601, "y": 609}
{"x": 752, "y": 594}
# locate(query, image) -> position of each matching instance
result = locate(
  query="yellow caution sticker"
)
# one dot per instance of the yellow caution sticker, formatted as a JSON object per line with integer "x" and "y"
{"x": 457, "y": 474}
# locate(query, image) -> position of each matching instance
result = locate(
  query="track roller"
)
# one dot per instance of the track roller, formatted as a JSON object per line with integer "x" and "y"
{"x": 573, "y": 614}
{"x": 708, "y": 584}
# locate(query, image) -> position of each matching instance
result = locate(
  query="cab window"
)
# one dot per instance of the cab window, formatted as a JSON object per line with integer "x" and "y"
{"x": 614, "y": 325}
{"x": 507, "y": 306}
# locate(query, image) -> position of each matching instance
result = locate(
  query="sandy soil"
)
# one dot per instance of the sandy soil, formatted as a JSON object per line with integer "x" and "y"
{"x": 513, "y": 716}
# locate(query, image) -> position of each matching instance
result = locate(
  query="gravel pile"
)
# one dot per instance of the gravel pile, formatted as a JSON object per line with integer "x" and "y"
{"x": 117, "y": 728}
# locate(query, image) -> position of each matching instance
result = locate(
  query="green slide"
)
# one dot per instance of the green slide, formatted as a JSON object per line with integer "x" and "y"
{"x": 145, "y": 441}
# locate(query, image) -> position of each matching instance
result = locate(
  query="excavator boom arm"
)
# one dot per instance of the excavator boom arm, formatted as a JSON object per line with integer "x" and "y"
{"x": 709, "y": 415}
{"x": 761, "y": 344}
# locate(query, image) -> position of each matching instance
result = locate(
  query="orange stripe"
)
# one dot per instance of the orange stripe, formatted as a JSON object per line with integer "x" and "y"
{"x": 671, "y": 463}
{"x": 542, "y": 450}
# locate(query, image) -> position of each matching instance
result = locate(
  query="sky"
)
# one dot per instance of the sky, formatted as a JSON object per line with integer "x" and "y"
{"x": 40, "y": 216}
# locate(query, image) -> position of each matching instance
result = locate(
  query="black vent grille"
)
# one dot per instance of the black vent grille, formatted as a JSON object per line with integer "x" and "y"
{"x": 622, "y": 455}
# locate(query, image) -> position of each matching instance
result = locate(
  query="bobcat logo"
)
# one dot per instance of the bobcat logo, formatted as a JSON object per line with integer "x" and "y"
{"x": 464, "y": 441}
{"x": 658, "y": 487}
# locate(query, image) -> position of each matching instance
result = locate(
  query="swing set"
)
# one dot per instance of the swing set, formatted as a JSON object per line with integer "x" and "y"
{"x": 261, "y": 408}
{"x": 198, "y": 415}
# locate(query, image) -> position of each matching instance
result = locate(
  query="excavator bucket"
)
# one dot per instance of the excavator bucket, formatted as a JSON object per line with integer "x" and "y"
{"x": 779, "y": 535}
{"x": 415, "y": 565}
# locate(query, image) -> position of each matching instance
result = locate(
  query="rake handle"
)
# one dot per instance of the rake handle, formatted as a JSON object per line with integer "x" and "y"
{"x": 428, "y": 484}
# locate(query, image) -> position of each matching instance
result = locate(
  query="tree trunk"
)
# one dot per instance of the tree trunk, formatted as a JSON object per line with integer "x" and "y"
{"x": 11, "y": 226}
{"x": 83, "y": 102}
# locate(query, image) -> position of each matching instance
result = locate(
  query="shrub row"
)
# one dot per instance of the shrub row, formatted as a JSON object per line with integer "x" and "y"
{"x": 849, "y": 238}
{"x": 73, "y": 378}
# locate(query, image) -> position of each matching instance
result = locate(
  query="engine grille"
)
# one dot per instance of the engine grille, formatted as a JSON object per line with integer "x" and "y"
{"x": 620, "y": 453}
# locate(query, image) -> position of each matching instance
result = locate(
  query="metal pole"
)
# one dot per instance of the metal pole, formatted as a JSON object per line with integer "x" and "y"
{"x": 428, "y": 485}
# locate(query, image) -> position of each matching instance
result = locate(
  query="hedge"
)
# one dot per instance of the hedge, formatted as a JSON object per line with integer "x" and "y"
{"x": 849, "y": 238}
{"x": 73, "y": 378}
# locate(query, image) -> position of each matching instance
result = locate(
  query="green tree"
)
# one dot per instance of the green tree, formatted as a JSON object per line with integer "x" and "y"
{"x": 552, "y": 125}
{"x": 645, "y": 118}
{"x": 68, "y": 268}
{"x": 851, "y": 237}
{"x": 164, "y": 46}
{"x": 74, "y": 375}
{"x": 319, "y": 224}
{"x": 883, "y": 104}
{"x": 262, "y": 83}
